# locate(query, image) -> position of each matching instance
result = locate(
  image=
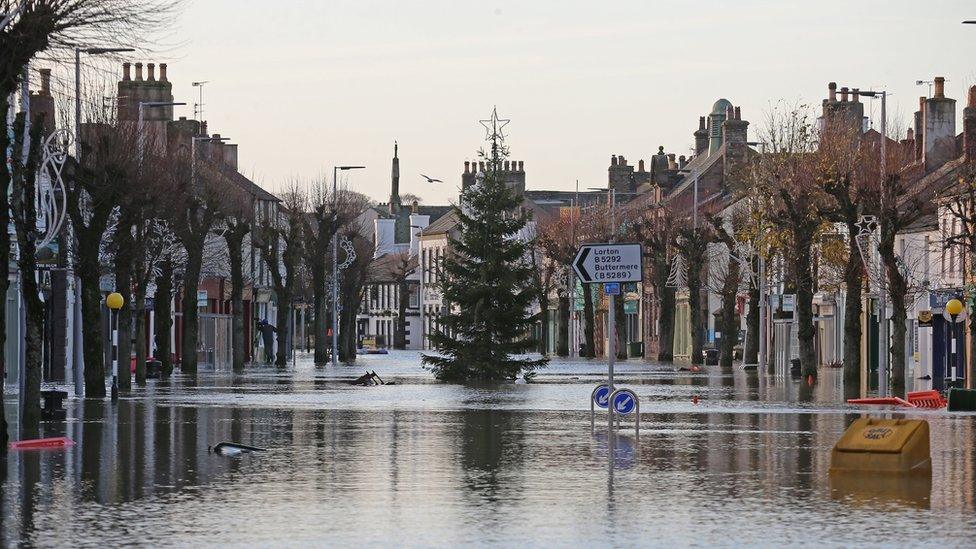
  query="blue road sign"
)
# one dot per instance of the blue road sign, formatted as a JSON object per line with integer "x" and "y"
{"x": 601, "y": 396}
{"x": 611, "y": 288}
{"x": 624, "y": 402}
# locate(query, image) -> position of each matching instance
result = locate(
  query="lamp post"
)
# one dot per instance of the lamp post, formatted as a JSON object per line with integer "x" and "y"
{"x": 115, "y": 301}
{"x": 335, "y": 258}
{"x": 420, "y": 264}
{"x": 883, "y": 337}
{"x": 954, "y": 307}
{"x": 74, "y": 351}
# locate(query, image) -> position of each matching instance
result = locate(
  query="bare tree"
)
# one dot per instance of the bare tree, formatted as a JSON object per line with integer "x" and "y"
{"x": 787, "y": 178}
{"x": 959, "y": 202}
{"x": 280, "y": 239}
{"x": 654, "y": 228}
{"x": 840, "y": 154}
{"x": 24, "y": 212}
{"x": 545, "y": 278}
{"x": 556, "y": 240}
{"x": 194, "y": 192}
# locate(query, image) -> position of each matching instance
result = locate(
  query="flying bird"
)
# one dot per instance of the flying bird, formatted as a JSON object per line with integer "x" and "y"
{"x": 430, "y": 179}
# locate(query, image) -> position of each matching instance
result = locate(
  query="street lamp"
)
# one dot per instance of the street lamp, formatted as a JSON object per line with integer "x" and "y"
{"x": 335, "y": 258}
{"x": 115, "y": 301}
{"x": 420, "y": 264}
{"x": 75, "y": 352}
{"x": 954, "y": 307}
{"x": 883, "y": 338}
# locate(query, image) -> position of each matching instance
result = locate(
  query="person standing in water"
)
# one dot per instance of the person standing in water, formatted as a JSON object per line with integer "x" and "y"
{"x": 267, "y": 335}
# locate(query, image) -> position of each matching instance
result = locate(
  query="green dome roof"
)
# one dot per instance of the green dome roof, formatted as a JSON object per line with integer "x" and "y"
{"x": 720, "y": 106}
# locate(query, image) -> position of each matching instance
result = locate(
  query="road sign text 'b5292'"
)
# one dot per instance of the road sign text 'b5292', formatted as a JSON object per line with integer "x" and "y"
{"x": 608, "y": 263}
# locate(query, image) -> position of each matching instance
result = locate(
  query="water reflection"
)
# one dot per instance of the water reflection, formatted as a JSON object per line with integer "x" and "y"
{"x": 511, "y": 465}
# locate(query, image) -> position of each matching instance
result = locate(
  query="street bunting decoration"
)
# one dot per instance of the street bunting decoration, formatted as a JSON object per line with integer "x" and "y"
{"x": 609, "y": 263}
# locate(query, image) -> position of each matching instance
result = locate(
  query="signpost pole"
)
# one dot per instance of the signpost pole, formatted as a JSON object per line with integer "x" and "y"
{"x": 611, "y": 350}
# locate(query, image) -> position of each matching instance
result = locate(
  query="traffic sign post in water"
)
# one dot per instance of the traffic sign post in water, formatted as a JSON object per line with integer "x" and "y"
{"x": 624, "y": 402}
{"x": 600, "y": 397}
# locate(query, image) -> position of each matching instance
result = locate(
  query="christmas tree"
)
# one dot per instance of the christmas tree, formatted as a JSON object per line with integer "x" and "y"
{"x": 487, "y": 330}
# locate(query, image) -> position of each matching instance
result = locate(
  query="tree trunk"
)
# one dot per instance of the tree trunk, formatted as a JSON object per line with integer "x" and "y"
{"x": 139, "y": 302}
{"x": 620, "y": 328}
{"x": 347, "y": 334}
{"x": 123, "y": 317}
{"x": 400, "y": 336}
{"x": 91, "y": 317}
{"x": 191, "y": 327}
{"x": 729, "y": 327}
{"x": 31, "y": 414}
{"x": 853, "y": 274}
{"x": 666, "y": 325}
{"x": 5, "y": 239}
{"x": 589, "y": 322}
{"x": 562, "y": 339}
{"x": 25, "y": 221}
{"x": 751, "y": 352}
{"x": 320, "y": 322}
{"x": 283, "y": 327}
{"x": 806, "y": 331}
{"x": 235, "y": 247}
{"x": 898, "y": 291}
{"x": 163, "y": 316}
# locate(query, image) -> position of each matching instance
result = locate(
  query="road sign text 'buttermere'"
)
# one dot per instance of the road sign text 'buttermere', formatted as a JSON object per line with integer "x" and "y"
{"x": 608, "y": 263}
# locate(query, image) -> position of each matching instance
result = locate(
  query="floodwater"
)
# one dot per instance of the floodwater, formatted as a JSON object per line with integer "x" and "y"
{"x": 420, "y": 463}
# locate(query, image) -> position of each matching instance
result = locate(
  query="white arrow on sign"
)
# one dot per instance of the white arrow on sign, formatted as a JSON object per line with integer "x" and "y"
{"x": 609, "y": 263}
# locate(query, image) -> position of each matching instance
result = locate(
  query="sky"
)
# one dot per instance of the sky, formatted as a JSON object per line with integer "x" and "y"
{"x": 302, "y": 85}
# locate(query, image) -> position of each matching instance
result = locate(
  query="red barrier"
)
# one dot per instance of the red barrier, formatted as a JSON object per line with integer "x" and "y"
{"x": 927, "y": 399}
{"x": 882, "y": 401}
{"x": 42, "y": 443}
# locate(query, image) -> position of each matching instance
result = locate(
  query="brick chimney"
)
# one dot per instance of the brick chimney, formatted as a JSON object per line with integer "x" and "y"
{"x": 701, "y": 137}
{"x": 735, "y": 136}
{"x": 45, "y": 81}
{"x": 843, "y": 119}
{"x": 162, "y": 72}
{"x": 126, "y": 71}
{"x": 919, "y": 128}
{"x": 969, "y": 126}
{"x": 939, "y": 137}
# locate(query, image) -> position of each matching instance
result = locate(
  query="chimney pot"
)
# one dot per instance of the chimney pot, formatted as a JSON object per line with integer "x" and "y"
{"x": 640, "y": 165}
{"x": 162, "y": 72}
{"x": 939, "y": 87}
{"x": 138, "y": 72}
{"x": 521, "y": 167}
{"x": 729, "y": 113}
{"x": 125, "y": 71}
{"x": 911, "y": 135}
{"x": 701, "y": 123}
{"x": 843, "y": 94}
{"x": 467, "y": 166}
{"x": 971, "y": 102}
{"x": 832, "y": 91}
{"x": 507, "y": 166}
{"x": 738, "y": 113}
{"x": 151, "y": 68}
{"x": 854, "y": 96}
{"x": 613, "y": 160}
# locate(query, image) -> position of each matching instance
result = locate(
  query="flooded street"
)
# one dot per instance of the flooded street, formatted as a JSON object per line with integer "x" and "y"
{"x": 419, "y": 463}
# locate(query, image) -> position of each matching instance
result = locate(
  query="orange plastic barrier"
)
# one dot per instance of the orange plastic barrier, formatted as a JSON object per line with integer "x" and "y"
{"x": 42, "y": 443}
{"x": 882, "y": 401}
{"x": 927, "y": 399}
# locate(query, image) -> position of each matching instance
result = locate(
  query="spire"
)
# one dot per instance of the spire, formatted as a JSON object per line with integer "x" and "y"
{"x": 395, "y": 181}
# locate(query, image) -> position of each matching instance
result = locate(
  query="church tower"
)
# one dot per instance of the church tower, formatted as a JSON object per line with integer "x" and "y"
{"x": 395, "y": 203}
